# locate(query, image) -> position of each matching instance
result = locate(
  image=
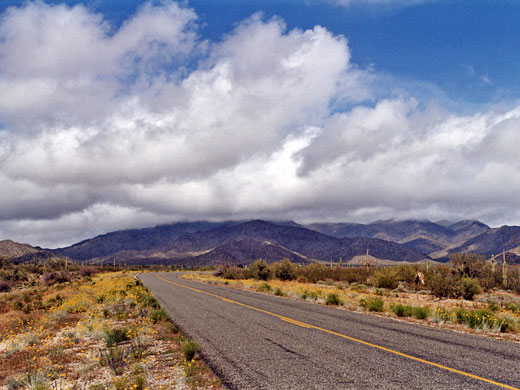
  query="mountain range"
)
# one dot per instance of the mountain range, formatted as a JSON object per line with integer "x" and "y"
{"x": 242, "y": 242}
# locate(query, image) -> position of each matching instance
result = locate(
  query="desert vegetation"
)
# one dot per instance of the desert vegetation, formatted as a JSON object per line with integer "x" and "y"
{"x": 468, "y": 292}
{"x": 65, "y": 326}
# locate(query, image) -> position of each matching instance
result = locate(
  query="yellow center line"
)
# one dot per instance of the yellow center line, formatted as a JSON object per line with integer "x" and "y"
{"x": 309, "y": 326}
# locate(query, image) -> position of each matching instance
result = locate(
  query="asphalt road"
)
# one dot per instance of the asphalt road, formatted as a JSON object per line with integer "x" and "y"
{"x": 258, "y": 341}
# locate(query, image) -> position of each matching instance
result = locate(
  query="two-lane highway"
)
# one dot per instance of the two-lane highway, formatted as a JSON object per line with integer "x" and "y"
{"x": 258, "y": 341}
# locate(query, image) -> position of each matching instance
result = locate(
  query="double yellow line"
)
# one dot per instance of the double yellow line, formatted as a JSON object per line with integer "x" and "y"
{"x": 309, "y": 326}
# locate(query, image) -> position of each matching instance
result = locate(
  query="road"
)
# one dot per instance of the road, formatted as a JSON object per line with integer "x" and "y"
{"x": 259, "y": 341}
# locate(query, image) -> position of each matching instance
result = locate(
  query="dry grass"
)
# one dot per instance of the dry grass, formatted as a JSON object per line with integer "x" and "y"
{"x": 65, "y": 346}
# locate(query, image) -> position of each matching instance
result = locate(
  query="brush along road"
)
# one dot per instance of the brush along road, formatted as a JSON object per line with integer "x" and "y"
{"x": 257, "y": 341}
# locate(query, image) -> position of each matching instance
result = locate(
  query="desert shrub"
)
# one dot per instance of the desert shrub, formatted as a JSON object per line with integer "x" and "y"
{"x": 227, "y": 271}
{"x": 115, "y": 336}
{"x": 279, "y": 292}
{"x": 264, "y": 287}
{"x": 470, "y": 265}
{"x": 284, "y": 270}
{"x": 5, "y": 286}
{"x": 512, "y": 307}
{"x": 513, "y": 279}
{"x": 53, "y": 302}
{"x": 385, "y": 277}
{"x": 508, "y": 323}
{"x": 372, "y": 304}
{"x": 189, "y": 349}
{"x": 314, "y": 272}
{"x": 148, "y": 300}
{"x": 157, "y": 315}
{"x": 137, "y": 348}
{"x": 50, "y": 278}
{"x": 114, "y": 357}
{"x": 481, "y": 319}
{"x": 493, "y": 306}
{"x": 259, "y": 270}
{"x": 139, "y": 383}
{"x": 36, "y": 381}
{"x": 121, "y": 383}
{"x": 442, "y": 282}
{"x": 27, "y": 308}
{"x": 333, "y": 299}
{"x": 14, "y": 383}
{"x": 311, "y": 295}
{"x": 421, "y": 312}
{"x": 87, "y": 271}
{"x": 402, "y": 310}
{"x": 359, "y": 287}
{"x": 440, "y": 315}
{"x": 468, "y": 288}
{"x": 350, "y": 275}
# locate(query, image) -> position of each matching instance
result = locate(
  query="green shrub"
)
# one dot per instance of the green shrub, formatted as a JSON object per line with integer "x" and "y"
{"x": 189, "y": 349}
{"x": 27, "y": 308}
{"x": 468, "y": 288}
{"x": 443, "y": 283}
{"x": 512, "y": 307}
{"x": 157, "y": 315}
{"x": 279, "y": 292}
{"x": 333, "y": 299}
{"x": 359, "y": 287}
{"x": 148, "y": 300}
{"x": 315, "y": 271}
{"x": 385, "y": 277}
{"x": 115, "y": 336}
{"x": 139, "y": 383}
{"x": 259, "y": 270}
{"x": 421, "y": 312}
{"x": 483, "y": 319}
{"x": 508, "y": 323}
{"x": 309, "y": 295}
{"x": 372, "y": 304}
{"x": 264, "y": 287}
{"x": 284, "y": 270}
{"x": 513, "y": 279}
{"x": 403, "y": 310}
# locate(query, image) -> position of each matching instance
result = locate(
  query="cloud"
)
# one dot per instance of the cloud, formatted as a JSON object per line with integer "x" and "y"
{"x": 381, "y": 3}
{"x": 148, "y": 123}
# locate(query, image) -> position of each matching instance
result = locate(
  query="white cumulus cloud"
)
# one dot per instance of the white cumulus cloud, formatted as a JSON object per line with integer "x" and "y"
{"x": 104, "y": 128}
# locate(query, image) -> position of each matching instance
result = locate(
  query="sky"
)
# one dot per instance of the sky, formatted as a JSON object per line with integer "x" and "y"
{"x": 122, "y": 114}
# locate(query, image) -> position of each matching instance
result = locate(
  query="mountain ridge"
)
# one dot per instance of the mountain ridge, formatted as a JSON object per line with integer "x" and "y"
{"x": 240, "y": 242}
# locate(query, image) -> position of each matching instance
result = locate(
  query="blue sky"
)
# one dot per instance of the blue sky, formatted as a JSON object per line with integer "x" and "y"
{"x": 120, "y": 114}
